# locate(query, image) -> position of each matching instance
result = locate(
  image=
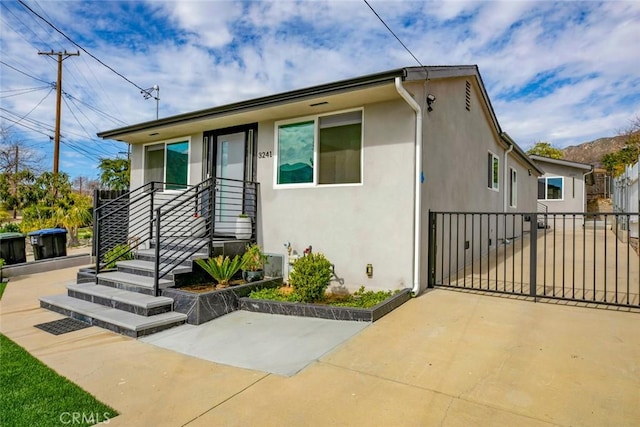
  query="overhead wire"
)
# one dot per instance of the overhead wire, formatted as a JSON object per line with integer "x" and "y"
{"x": 24, "y": 91}
{"x": 21, "y": 21}
{"x": 23, "y": 72}
{"x": 394, "y": 34}
{"x": 79, "y": 46}
{"x": 31, "y": 111}
{"x": 425, "y": 69}
{"x": 24, "y": 125}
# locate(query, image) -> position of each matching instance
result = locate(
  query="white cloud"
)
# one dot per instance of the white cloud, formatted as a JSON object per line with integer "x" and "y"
{"x": 207, "y": 53}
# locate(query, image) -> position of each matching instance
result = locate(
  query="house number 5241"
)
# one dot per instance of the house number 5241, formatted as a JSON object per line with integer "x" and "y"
{"x": 265, "y": 154}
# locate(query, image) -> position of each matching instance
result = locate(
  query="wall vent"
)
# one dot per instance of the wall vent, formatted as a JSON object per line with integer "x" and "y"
{"x": 468, "y": 96}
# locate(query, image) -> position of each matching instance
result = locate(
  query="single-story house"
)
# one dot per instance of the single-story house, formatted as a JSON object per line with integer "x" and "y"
{"x": 349, "y": 168}
{"x": 563, "y": 187}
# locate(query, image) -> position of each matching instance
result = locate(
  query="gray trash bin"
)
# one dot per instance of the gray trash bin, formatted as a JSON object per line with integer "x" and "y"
{"x": 12, "y": 248}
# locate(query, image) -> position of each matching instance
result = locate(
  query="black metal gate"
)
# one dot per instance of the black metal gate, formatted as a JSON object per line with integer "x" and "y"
{"x": 587, "y": 258}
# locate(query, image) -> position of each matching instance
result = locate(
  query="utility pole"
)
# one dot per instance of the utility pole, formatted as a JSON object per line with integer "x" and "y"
{"x": 15, "y": 181}
{"x": 56, "y": 142}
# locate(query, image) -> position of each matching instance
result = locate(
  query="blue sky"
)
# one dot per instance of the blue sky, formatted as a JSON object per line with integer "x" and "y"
{"x": 564, "y": 72}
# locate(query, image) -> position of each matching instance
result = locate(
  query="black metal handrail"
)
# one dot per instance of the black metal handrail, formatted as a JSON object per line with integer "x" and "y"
{"x": 188, "y": 223}
{"x": 118, "y": 222}
{"x": 176, "y": 224}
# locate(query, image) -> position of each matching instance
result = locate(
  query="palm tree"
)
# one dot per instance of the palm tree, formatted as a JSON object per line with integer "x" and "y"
{"x": 74, "y": 216}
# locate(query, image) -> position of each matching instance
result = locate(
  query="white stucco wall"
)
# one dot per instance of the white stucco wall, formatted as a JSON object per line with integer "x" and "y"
{"x": 372, "y": 223}
{"x": 353, "y": 225}
{"x": 574, "y": 196}
{"x": 455, "y": 155}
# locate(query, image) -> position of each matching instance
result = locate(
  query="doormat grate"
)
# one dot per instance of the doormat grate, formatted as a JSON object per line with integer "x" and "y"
{"x": 62, "y": 326}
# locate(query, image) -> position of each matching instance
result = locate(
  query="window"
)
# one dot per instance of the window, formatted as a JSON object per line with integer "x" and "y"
{"x": 493, "y": 169}
{"x": 513, "y": 188}
{"x": 332, "y": 142}
{"x": 551, "y": 188}
{"x": 167, "y": 162}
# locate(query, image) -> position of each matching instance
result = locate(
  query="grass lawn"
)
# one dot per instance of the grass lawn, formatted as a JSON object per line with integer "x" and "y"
{"x": 31, "y": 394}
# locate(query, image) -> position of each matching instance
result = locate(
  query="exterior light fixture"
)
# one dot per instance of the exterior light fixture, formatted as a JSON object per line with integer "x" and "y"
{"x": 369, "y": 271}
{"x": 430, "y": 100}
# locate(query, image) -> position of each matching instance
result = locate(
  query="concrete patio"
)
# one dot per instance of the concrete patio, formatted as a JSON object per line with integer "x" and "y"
{"x": 445, "y": 358}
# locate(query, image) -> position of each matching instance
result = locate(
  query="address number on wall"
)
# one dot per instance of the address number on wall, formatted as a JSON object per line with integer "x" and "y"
{"x": 265, "y": 154}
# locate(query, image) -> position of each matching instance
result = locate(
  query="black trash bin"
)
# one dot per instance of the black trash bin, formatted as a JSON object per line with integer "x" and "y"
{"x": 48, "y": 243}
{"x": 12, "y": 248}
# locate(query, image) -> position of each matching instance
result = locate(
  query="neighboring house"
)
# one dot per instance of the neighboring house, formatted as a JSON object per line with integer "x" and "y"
{"x": 562, "y": 188}
{"x": 349, "y": 168}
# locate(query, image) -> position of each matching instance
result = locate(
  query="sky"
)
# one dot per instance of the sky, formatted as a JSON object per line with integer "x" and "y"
{"x": 563, "y": 72}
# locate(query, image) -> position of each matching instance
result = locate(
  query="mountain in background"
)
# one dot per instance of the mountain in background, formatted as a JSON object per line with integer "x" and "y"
{"x": 591, "y": 152}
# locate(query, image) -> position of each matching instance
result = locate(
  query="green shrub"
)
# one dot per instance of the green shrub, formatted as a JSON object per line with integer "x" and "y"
{"x": 274, "y": 294}
{"x": 10, "y": 227}
{"x": 121, "y": 252}
{"x": 85, "y": 233}
{"x": 221, "y": 268}
{"x": 253, "y": 259}
{"x": 311, "y": 276}
{"x": 365, "y": 299}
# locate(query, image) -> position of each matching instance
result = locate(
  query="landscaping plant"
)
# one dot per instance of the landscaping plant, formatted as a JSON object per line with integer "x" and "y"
{"x": 311, "y": 276}
{"x": 221, "y": 268}
{"x": 121, "y": 252}
{"x": 253, "y": 259}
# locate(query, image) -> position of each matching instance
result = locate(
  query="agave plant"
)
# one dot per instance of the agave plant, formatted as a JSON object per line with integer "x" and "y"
{"x": 221, "y": 268}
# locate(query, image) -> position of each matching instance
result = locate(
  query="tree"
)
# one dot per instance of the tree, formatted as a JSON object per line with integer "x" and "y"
{"x": 84, "y": 185}
{"x": 545, "y": 149}
{"x": 115, "y": 173}
{"x": 17, "y": 164}
{"x": 15, "y": 156}
{"x": 76, "y": 214}
{"x": 615, "y": 162}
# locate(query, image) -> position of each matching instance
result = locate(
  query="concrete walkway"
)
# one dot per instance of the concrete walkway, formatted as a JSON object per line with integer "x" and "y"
{"x": 445, "y": 358}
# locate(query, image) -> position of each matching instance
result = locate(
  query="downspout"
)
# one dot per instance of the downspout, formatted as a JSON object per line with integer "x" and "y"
{"x": 417, "y": 185}
{"x": 507, "y": 181}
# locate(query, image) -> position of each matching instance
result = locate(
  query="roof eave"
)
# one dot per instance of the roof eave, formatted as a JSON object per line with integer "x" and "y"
{"x": 506, "y": 138}
{"x": 562, "y": 162}
{"x": 343, "y": 85}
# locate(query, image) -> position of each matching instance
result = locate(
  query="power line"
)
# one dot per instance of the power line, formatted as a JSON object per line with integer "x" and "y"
{"x": 78, "y": 46}
{"x": 31, "y": 111}
{"x": 24, "y": 91}
{"x": 23, "y": 72}
{"x": 394, "y": 34}
{"x": 24, "y": 126}
{"x": 50, "y": 84}
{"x": 20, "y": 33}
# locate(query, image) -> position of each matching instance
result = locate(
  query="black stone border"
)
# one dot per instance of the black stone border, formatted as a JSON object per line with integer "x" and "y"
{"x": 326, "y": 311}
{"x": 201, "y": 307}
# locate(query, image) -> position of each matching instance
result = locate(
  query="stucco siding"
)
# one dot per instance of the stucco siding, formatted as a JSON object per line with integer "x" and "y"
{"x": 573, "y": 197}
{"x": 353, "y": 225}
{"x": 457, "y": 143}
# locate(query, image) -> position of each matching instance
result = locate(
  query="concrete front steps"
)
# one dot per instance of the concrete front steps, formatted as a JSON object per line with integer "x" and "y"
{"x": 113, "y": 319}
{"x": 124, "y": 301}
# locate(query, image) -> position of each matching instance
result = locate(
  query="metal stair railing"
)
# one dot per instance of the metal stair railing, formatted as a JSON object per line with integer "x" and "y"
{"x": 189, "y": 222}
{"x": 123, "y": 225}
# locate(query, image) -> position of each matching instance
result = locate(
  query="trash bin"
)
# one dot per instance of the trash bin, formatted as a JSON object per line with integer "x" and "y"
{"x": 12, "y": 248}
{"x": 48, "y": 243}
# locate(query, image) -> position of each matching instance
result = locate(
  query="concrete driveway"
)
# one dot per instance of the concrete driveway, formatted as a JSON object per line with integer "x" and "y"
{"x": 445, "y": 358}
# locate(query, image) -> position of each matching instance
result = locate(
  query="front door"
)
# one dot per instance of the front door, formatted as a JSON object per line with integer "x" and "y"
{"x": 230, "y": 157}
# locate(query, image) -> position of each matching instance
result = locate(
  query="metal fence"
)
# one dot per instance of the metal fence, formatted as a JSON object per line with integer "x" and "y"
{"x": 580, "y": 257}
